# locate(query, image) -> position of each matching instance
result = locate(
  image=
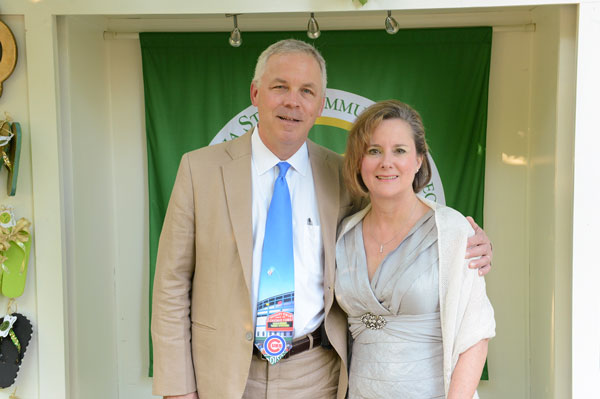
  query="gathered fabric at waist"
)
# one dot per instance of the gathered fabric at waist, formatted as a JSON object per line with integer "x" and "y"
{"x": 409, "y": 328}
{"x": 403, "y": 359}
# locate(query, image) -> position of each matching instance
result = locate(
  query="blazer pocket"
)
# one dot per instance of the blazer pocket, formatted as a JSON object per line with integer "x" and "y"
{"x": 202, "y": 326}
{"x": 312, "y": 249}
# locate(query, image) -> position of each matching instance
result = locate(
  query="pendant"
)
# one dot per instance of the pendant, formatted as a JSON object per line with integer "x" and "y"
{"x": 380, "y": 249}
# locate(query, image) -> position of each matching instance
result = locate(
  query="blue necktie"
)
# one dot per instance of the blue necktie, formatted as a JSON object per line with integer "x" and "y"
{"x": 275, "y": 305}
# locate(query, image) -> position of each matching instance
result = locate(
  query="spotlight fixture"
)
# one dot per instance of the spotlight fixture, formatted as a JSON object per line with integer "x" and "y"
{"x": 312, "y": 29}
{"x": 391, "y": 25}
{"x": 235, "y": 39}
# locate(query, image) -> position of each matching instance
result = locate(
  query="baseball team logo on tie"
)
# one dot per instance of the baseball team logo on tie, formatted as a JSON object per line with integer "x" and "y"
{"x": 275, "y": 306}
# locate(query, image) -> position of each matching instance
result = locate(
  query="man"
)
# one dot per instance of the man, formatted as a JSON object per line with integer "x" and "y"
{"x": 209, "y": 258}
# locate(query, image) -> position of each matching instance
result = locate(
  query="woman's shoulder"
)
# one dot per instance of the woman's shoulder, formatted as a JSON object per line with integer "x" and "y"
{"x": 449, "y": 219}
{"x": 454, "y": 217}
{"x": 350, "y": 221}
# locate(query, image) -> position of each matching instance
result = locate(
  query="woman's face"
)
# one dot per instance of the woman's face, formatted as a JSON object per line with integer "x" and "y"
{"x": 391, "y": 161}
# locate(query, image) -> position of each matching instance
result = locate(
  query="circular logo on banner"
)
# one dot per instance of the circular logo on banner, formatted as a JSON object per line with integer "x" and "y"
{"x": 274, "y": 345}
{"x": 341, "y": 109}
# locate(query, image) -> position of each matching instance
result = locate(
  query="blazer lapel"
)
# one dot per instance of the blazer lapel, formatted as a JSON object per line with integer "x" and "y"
{"x": 327, "y": 188}
{"x": 237, "y": 180}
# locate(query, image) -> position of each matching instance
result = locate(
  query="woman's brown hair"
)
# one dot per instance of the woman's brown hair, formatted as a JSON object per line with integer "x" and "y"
{"x": 359, "y": 138}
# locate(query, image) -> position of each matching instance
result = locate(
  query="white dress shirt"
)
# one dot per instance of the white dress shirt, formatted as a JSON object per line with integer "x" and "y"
{"x": 308, "y": 243}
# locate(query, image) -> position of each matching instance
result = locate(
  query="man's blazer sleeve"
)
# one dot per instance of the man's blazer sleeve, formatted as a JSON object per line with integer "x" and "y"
{"x": 170, "y": 326}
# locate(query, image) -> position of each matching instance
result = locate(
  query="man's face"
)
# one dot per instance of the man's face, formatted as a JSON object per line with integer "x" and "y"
{"x": 289, "y": 98}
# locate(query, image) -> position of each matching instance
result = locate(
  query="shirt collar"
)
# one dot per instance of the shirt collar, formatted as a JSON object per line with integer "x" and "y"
{"x": 264, "y": 159}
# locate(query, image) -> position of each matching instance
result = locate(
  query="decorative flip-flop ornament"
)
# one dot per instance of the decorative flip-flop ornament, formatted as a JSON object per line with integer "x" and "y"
{"x": 15, "y": 334}
{"x": 15, "y": 246}
{"x": 10, "y": 151}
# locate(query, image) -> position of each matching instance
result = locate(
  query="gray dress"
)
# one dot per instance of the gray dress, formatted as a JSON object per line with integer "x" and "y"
{"x": 403, "y": 358}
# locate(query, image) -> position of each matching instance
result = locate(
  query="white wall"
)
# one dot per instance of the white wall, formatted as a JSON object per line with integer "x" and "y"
{"x": 131, "y": 203}
{"x": 105, "y": 181}
{"x": 550, "y": 202}
{"x": 505, "y": 213}
{"x": 89, "y": 195}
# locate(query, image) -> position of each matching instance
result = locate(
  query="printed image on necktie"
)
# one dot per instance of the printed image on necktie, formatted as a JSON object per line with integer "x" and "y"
{"x": 275, "y": 308}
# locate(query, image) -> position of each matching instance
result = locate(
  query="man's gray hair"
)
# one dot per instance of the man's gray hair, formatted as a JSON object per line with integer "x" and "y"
{"x": 289, "y": 46}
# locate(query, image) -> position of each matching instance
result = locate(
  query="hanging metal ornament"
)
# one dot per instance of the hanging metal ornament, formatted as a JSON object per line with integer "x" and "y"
{"x": 391, "y": 25}
{"x": 312, "y": 30}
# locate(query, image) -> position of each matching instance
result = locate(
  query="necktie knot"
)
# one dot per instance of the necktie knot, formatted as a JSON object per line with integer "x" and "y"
{"x": 283, "y": 168}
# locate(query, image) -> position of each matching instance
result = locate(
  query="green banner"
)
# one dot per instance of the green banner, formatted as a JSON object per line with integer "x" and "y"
{"x": 197, "y": 91}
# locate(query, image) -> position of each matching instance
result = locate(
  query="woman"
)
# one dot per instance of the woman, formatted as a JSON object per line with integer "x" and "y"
{"x": 419, "y": 316}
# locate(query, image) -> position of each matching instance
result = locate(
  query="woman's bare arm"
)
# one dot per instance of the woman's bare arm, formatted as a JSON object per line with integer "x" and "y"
{"x": 467, "y": 372}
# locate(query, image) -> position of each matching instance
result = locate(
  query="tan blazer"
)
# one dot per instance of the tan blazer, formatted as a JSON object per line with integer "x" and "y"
{"x": 202, "y": 327}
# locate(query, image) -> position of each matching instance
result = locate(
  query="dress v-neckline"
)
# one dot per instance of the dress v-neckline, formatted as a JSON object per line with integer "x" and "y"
{"x": 364, "y": 272}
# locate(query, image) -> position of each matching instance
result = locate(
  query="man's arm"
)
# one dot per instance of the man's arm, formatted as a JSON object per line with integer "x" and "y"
{"x": 171, "y": 335}
{"x": 479, "y": 245}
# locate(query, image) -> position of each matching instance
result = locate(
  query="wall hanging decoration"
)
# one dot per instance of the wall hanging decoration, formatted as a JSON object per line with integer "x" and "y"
{"x": 15, "y": 334}
{"x": 8, "y": 53}
{"x": 10, "y": 150}
{"x": 15, "y": 245}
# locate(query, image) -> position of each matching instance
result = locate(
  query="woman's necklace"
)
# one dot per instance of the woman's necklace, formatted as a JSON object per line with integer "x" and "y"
{"x": 381, "y": 245}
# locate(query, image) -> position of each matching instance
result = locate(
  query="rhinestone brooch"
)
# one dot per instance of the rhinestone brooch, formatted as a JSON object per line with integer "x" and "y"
{"x": 373, "y": 322}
